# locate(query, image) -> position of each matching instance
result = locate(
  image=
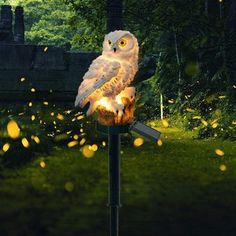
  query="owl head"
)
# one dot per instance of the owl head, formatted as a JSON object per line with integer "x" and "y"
{"x": 121, "y": 45}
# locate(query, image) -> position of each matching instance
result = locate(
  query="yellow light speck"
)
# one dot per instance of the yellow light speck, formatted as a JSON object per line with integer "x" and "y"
{"x": 61, "y": 137}
{"x": 36, "y": 139}
{"x": 52, "y": 113}
{"x": 171, "y": 101}
{"x": 30, "y": 104}
{"x": 45, "y": 49}
{"x": 165, "y": 123}
{"x": 33, "y": 117}
{"x": 22, "y": 79}
{"x": 159, "y": 142}
{"x": 82, "y": 141}
{"x": 72, "y": 144}
{"x": 87, "y": 151}
{"x": 45, "y": 103}
{"x": 33, "y": 90}
{"x": 189, "y": 110}
{"x": 223, "y": 167}
{"x": 94, "y": 147}
{"x": 205, "y": 123}
{"x": 103, "y": 143}
{"x": 60, "y": 116}
{"x": 42, "y": 164}
{"x": 76, "y": 137}
{"x": 219, "y": 152}
{"x": 25, "y": 143}
{"x": 196, "y": 117}
{"x": 80, "y": 117}
{"x": 6, "y": 147}
{"x": 81, "y": 130}
{"x": 13, "y": 129}
{"x": 138, "y": 142}
{"x": 215, "y": 125}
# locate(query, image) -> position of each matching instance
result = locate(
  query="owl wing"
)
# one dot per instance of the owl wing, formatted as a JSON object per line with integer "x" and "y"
{"x": 100, "y": 72}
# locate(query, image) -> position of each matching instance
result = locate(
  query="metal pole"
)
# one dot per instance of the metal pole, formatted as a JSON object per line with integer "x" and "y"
{"x": 114, "y": 181}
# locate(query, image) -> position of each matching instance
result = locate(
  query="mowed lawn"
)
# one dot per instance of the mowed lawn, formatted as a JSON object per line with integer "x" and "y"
{"x": 180, "y": 188}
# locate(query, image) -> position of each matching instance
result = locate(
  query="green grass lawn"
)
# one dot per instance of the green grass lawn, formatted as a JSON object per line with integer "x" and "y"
{"x": 175, "y": 189}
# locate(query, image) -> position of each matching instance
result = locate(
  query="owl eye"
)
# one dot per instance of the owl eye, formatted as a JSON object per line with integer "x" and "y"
{"x": 122, "y": 43}
{"x": 109, "y": 42}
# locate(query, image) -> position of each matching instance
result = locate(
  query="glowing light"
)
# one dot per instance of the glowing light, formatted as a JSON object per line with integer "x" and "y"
{"x": 165, "y": 123}
{"x": 223, "y": 168}
{"x": 22, "y": 79}
{"x": 82, "y": 141}
{"x": 13, "y": 129}
{"x": 204, "y": 122}
{"x": 61, "y": 137}
{"x": 81, "y": 130}
{"x": 45, "y": 103}
{"x": 189, "y": 110}
{"x": 30, "y": 104}
{"x": 215, "y": 125}
{"x": 36, "y": 139}
{"x": 94, "y": 147}
{"x": 6, "y": 147}
{"x": 42, "y": 164}
{"x": 87, "y": 151}
{"x": 138, "y": 142}
{"x": 80, "y": 117}
{"x": 105, "y": 103}
{"x": 197, "y": 117}
{"x": 33, "y": 90}
{"x": 222, "y": 97}
{"x": 69, "y": 186}
{"x": 69, "y": 132}
{"x": 76, "y": 137}
{"x": 60, "y": 116}
{"x": 52, "y": 113}
{"x": 45, "y": 49}
{"x": 219, "y": 152}
{"x": 171, "y": 101}
{"x": 25, "y": 143}
{"x": 159, "y": 142}
{"x": 33, "y": 117}
{"x": 103, "y": 143}
{"x": 72, "y": 144}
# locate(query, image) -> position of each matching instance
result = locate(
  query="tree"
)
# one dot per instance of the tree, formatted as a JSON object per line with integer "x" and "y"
{"x": 230, "y": 52}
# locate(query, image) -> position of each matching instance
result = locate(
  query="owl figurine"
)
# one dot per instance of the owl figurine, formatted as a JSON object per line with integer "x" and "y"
{"x": 110, "y": 74}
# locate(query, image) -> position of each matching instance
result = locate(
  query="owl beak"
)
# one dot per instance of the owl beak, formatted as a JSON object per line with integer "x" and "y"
{"x": 114, "y": 49}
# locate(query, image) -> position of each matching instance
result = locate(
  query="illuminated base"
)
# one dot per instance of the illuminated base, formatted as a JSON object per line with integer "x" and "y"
{"x": 108, "y": 118}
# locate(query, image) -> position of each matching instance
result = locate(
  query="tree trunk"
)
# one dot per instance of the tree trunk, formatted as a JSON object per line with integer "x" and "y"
{"x": 114, "y": 15}
{"x": 230, "y": 53}
{"x": 179, "y": 68}
{"x": 161, "y": 106}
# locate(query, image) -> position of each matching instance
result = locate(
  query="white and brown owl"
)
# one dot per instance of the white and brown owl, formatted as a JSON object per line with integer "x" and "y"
{"x": 110, "y": 74}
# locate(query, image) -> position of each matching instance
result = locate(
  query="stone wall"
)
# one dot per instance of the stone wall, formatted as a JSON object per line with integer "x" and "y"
{"x": 54, "y": 73}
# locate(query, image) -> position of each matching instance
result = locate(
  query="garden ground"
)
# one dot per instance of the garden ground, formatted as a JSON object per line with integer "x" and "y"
{"x": 179, "y": 188}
